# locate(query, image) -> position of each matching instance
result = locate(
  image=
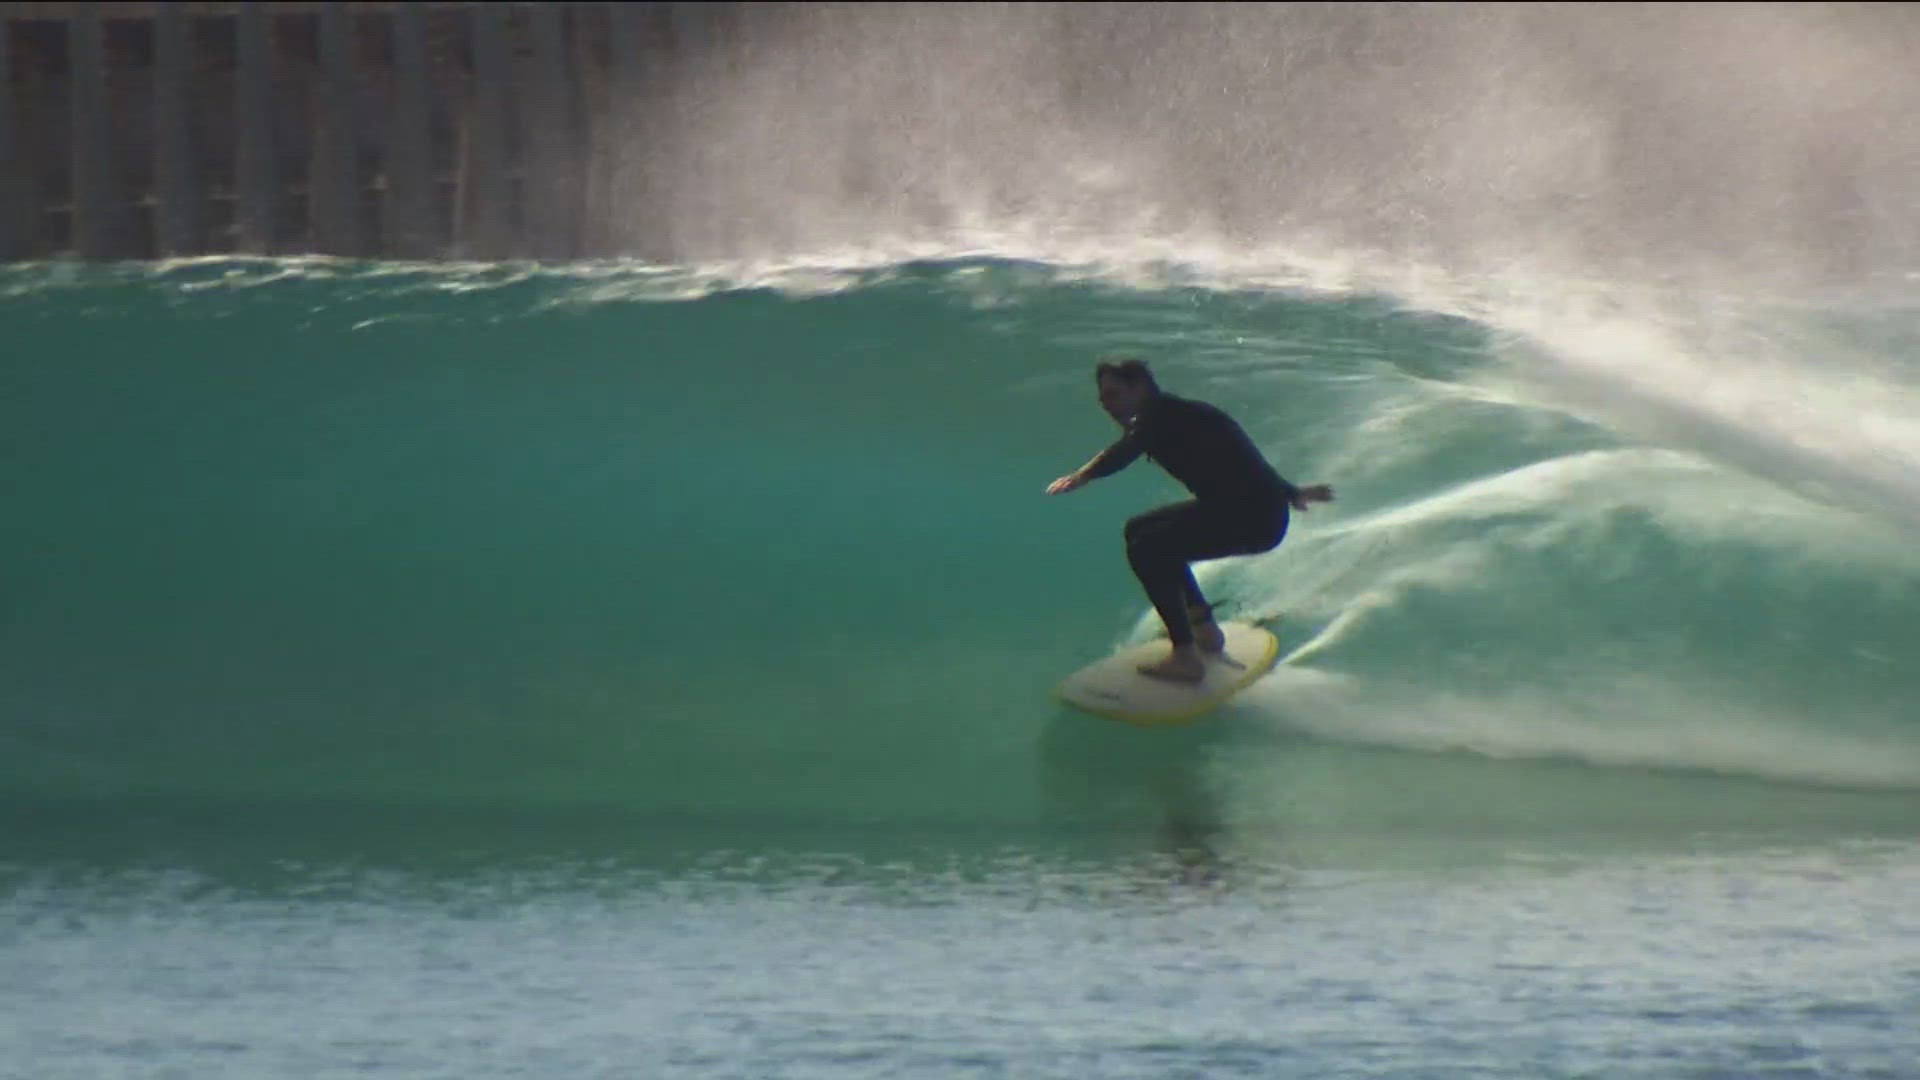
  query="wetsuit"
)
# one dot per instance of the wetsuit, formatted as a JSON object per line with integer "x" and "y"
{"x": 1240, "y": 504}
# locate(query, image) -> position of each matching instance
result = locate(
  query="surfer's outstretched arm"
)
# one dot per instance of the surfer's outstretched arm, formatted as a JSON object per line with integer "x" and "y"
{"x": 1067, "y": 483}
{"x": 1105, "y": 463}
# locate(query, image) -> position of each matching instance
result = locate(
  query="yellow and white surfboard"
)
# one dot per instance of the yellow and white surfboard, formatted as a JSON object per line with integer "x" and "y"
{"x": 1114, "y": 689}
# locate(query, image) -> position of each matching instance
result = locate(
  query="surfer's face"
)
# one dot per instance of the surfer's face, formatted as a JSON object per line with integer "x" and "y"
{"x": 1122, "y": 400}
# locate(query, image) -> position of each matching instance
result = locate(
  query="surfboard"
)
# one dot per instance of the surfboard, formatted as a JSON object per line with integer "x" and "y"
{"x": 1113, "y": 689}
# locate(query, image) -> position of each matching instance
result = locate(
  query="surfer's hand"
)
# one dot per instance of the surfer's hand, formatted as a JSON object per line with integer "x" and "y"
{"x": 1066, "y": 483}
{"x": 1312, "y": 493}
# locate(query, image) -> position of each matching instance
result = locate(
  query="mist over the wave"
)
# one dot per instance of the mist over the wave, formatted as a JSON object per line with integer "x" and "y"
{"x": 1750, "y": 144}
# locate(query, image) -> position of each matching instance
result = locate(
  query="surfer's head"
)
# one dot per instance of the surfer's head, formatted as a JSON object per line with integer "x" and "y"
{"x": 1125, "y": 386}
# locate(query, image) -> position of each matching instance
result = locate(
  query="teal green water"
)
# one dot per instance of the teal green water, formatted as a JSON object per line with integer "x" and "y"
{"x": 345, "y": 537}
{"x": 612, "y": 671}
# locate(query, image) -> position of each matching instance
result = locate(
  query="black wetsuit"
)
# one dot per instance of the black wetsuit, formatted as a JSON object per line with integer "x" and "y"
{"x": 1240, "y": 504}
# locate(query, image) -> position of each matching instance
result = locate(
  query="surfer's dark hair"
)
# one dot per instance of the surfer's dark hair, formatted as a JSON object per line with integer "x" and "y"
{"x": 1130, "y": 370}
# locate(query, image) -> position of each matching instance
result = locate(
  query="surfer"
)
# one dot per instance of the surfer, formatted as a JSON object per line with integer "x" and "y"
{"x": 1239, "y": 507}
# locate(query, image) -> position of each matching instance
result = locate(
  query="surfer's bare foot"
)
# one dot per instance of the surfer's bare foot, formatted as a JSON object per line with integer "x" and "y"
{"x": 1183, "y": 665}
{"x": 1209, "y": 637}
{"x": 1206, "y": 632}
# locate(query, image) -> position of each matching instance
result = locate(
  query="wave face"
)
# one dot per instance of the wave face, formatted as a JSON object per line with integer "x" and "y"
{"x": 629, "y": 540}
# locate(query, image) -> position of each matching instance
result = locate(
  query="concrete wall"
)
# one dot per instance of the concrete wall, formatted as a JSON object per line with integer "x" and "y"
{"x": 397, "y": 130}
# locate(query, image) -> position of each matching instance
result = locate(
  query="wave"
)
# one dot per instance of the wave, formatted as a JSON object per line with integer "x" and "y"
{"x": 768, "y": 543}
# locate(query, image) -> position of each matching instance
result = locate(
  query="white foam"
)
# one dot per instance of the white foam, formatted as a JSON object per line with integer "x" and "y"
{"x": 1621, "y": 719}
